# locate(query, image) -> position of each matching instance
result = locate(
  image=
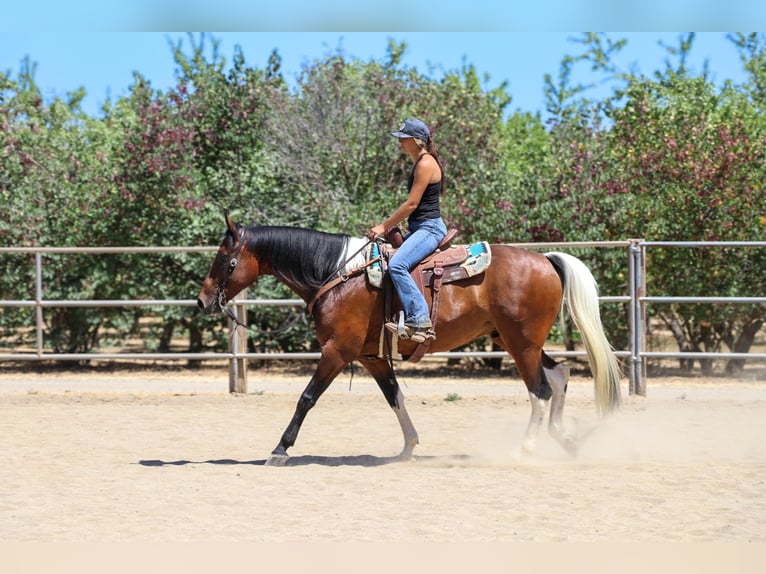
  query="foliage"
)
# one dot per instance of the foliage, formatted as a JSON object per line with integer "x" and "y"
{"x": 680, "y": 161}
{"x": 669, "y": 156}
{"x": 691, "y": 151}
{"x": 54, "y": 186}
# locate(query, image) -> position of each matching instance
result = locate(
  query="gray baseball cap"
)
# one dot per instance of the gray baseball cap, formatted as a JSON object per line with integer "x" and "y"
{"x": 412, "y": 128}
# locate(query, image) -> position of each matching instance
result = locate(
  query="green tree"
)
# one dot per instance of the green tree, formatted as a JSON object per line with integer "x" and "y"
{"x": 665, "y": 156}
{"x": 690, "y": 161}
{"x": 53, "y": 183}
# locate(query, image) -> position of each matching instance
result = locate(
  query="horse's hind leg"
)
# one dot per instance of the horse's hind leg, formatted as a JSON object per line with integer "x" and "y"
{"x": 528, "y": 362}
{"x": 386, "y": 379}
{"x": 535, "y": 422}
{"x": 557, "y": 376}
{"x": 545, "y": 380}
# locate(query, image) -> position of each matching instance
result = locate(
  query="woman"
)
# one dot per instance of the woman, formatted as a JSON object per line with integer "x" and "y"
{"x": 424, "y": 222}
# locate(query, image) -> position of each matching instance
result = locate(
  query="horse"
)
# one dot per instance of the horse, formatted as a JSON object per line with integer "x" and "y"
{"x": 515, "y": 301}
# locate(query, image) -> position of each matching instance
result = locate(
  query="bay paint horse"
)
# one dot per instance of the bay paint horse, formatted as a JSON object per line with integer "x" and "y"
{"x": 515, "y": 301}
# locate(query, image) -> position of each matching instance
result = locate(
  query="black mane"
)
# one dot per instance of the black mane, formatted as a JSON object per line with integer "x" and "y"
{"x": 298, "y": 256}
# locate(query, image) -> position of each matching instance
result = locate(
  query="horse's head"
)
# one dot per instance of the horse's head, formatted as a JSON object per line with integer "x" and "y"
{"x": 233, "y": 269}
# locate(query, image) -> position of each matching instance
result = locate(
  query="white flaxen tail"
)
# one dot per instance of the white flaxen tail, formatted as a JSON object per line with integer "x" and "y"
{"x": 581, "y": 297}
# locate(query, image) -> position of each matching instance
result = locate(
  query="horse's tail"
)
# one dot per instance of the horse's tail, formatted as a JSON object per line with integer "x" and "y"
{"x": 581, "y": 297}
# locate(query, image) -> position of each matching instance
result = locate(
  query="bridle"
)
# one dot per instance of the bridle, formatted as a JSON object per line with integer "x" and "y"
{"x": 221, "y": 296}
{"x": 231, "y": 266}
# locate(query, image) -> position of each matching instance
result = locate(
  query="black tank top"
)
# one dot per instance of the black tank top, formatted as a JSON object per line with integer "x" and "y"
{"x": 428, "y": 208}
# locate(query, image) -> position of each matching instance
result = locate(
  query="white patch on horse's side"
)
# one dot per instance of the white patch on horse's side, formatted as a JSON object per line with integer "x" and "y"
{"x": 355, "y": 250}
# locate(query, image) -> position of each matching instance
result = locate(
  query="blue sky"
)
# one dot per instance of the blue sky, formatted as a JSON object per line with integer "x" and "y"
{"x": 103, "y": 62}
{"x": 377, "y": 15}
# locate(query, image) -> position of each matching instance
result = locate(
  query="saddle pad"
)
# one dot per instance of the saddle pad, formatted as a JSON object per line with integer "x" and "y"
{"x": 477, "y": 261}
{"x": 374, "y": 271}
{"x": 479, "y": 258}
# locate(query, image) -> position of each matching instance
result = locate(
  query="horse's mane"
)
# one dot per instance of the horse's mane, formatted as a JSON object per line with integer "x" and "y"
{"x": 300, "y": 256}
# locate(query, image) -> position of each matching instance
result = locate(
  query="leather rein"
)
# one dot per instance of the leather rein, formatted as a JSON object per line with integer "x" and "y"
{"x": 335, "y": 281}
{"x": 326, "y": 286}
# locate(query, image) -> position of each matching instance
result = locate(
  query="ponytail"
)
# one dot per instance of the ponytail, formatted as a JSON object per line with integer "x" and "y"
{"x": 430, "y": 147}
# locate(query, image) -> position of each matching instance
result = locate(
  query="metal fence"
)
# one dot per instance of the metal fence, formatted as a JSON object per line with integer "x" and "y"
{"x": 643, "y": 300}
{"x": 635, "y": 355}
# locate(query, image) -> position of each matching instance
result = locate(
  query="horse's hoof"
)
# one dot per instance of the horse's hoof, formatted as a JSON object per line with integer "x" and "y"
{"x": 277, "y": 460}
{"x": 571, "y": 446}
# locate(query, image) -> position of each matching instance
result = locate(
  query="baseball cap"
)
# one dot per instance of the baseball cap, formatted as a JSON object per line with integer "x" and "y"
{"x": 412, "y": 128}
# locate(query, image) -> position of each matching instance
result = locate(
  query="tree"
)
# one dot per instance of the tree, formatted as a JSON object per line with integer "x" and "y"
{"x": 677, "y": 159}
{"x": 54, "y": 182}
{"x": 666, "y": 156}
{"x": 690, "y": 163}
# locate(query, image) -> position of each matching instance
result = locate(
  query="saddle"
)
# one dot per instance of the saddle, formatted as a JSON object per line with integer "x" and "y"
{"x": 448, "y": 264}
{"x": 395, "y": 238}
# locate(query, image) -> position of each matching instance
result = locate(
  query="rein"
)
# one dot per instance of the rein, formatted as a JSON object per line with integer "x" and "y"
{"x": 333, "y": 281}
{"x": 328, "y": 284}
{"x": 285, "y": 326}
{"x": 349, "y": 258}
{"x": 221, "y": 289}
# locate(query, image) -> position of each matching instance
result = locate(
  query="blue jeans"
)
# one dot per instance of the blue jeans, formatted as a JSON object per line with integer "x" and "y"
{"x": 423, "y": 238}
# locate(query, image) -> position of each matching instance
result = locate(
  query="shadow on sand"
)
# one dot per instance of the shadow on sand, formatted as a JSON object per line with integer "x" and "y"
{"x": 366, "y": 460}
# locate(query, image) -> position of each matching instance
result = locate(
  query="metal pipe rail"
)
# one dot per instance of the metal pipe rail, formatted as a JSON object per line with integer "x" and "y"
{"x": 636, "y": 299}
{"x": 141, "y": 303}
{"x": 642, "y": 301}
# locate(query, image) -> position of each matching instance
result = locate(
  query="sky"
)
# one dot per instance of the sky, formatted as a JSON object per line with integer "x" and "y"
{"x": 103, "y": 62}
{"x": 382, "y": 15}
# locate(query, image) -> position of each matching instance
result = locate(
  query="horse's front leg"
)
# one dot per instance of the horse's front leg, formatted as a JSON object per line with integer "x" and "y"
{"x": 386, "y": 379}
{"x": 330, "y": 365}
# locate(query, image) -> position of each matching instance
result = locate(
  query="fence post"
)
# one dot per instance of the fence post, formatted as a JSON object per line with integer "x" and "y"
{"x": 39, "y": 303}
{"x": 237, "y": 347}
{"x": 636, "y": 318}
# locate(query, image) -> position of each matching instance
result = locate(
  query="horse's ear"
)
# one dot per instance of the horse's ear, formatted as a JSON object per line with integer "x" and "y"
{"x": 229, "y": 223}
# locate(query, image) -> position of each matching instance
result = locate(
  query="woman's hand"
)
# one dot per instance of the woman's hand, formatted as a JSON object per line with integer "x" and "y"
{"x": 377, "y": 231}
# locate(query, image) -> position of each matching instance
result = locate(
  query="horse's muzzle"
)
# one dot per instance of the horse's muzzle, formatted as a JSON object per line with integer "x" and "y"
{"x": 212, "y": 307}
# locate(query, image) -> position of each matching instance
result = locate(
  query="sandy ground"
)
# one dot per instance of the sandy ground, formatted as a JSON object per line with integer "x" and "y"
{"x": 144, "y": 457}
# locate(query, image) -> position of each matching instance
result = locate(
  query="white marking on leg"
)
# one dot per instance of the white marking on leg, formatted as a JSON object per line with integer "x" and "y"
{"x": 535, "y": 422}
{"x": 558, "y": 378}
{"x": 408, "y": 429}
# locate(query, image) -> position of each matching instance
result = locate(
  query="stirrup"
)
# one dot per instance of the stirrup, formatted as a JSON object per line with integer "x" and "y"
{"x": 399, "y": 329}
{"x": 391, "y": 326}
